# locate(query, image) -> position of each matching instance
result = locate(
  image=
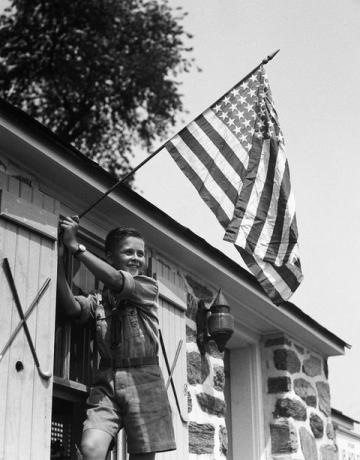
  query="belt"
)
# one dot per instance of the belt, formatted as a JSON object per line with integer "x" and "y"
{"x": 128, "y": 362}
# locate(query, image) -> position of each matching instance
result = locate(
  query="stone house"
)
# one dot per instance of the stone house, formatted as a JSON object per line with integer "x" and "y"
{"x": 266, "y": 397}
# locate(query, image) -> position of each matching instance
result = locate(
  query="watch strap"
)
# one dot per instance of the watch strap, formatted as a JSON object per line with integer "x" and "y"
{"x": 80, "y": 250}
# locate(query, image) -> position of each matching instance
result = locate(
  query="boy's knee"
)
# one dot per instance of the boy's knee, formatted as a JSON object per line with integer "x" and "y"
{"x": 90, "y": 449}
{"x": 93, "y": 447}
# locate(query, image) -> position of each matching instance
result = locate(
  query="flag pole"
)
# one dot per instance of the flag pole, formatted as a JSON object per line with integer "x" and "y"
{"x": 120, "y": 181}
{"x": 133, "y": 171}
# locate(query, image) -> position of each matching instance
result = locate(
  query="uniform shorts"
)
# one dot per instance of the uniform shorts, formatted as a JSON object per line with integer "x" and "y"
{"x": 134, "y": 399}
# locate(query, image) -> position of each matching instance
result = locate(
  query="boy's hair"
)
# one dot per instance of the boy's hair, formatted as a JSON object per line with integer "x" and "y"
{"x": 115, "y": 236}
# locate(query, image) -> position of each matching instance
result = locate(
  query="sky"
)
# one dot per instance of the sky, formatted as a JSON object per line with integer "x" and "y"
{"x": 314, "y": 81}
{"x": 315, "y": 84}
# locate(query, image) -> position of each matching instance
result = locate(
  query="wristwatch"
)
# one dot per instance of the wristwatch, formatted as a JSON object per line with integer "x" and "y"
{"x": 80, "y": 250}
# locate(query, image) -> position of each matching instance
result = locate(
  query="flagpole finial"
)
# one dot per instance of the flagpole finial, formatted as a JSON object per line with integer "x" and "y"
{"x": 271, "y": 56}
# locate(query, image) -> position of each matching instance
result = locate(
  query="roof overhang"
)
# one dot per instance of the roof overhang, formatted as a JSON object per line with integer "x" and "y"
{"x": 77, "y": 181}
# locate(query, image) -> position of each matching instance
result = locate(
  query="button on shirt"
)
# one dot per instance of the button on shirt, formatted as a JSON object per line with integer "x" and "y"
{"x": 126, "y": 321}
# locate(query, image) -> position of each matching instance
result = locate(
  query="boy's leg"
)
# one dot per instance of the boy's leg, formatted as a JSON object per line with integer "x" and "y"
{"x": 95, "y": 444}
{"x": 150, "y": 456}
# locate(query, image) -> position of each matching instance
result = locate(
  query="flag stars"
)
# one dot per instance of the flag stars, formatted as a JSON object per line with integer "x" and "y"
{"x": 240, "y": 114}
{"x": 247, "y": 111}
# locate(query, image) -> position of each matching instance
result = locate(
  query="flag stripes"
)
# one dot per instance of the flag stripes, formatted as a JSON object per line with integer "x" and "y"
{"x": 212, "y": 161}
{"x": 233, "y": 154}
{"x": 226, "y": 145}
{"x": 269, "y": 203}
{"x": 258, "y": 238}
{"x": 284, "y": 238}
{"x": 246, "y": 209}
{"x": 202, "y": 181}
{"x": 277, "y": 208}
{"x": 272, "y": 280}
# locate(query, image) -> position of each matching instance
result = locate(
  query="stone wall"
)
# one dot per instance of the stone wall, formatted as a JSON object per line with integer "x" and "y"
{"x": 297, "y": 402}
{"x": 206, "y": 381}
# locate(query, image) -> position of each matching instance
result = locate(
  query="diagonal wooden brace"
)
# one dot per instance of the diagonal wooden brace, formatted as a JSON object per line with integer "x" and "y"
{"x": 182, "y": 418}
{"x": 27, "y": 314}
{"x": 174, "y": 363}
{"x": 7, "y": 269}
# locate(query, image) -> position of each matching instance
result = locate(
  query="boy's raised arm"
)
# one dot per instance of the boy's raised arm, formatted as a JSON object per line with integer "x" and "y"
{"x": 65, "y": 297}
{"x": 103, "y": 271}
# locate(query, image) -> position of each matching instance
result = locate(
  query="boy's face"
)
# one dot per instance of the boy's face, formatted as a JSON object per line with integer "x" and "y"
{"x": 129, "y": 255}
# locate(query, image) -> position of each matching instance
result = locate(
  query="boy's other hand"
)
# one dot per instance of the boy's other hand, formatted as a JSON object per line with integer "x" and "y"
{"x": 69, "y": 227}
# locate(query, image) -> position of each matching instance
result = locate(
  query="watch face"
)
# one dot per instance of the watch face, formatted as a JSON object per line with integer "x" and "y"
{"x": 82, "y": 248}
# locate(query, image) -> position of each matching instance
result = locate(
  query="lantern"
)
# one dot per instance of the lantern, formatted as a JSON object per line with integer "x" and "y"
{"x": 216, "y": 323}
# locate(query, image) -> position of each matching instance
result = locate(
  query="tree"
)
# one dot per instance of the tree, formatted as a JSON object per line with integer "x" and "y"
{"x": 100, "y": 73}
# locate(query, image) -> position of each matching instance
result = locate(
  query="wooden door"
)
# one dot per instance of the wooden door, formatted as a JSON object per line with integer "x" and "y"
{"x": 172, "y": 319}
{"x": 172, "y": 324}
{"x": 28, "y": 231}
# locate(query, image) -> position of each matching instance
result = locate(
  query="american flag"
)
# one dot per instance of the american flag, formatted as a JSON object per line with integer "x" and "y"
{"x": 233, "y": 153}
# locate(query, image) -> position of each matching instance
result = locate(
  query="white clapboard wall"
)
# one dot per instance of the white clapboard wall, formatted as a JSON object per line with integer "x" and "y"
{"x": 28, "y": 231}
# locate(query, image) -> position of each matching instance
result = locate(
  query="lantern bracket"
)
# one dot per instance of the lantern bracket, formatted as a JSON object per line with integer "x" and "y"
{"x": 202, "y": 336}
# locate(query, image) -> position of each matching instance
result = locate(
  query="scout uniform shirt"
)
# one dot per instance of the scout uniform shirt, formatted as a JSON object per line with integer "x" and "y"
{"x": 126, "y": 321}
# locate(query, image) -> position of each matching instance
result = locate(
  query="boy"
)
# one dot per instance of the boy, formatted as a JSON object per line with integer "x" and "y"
{"x": 129, "y": 389}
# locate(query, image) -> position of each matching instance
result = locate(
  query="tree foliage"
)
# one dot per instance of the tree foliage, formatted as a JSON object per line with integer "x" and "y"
{"x": 102, "y": 74}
